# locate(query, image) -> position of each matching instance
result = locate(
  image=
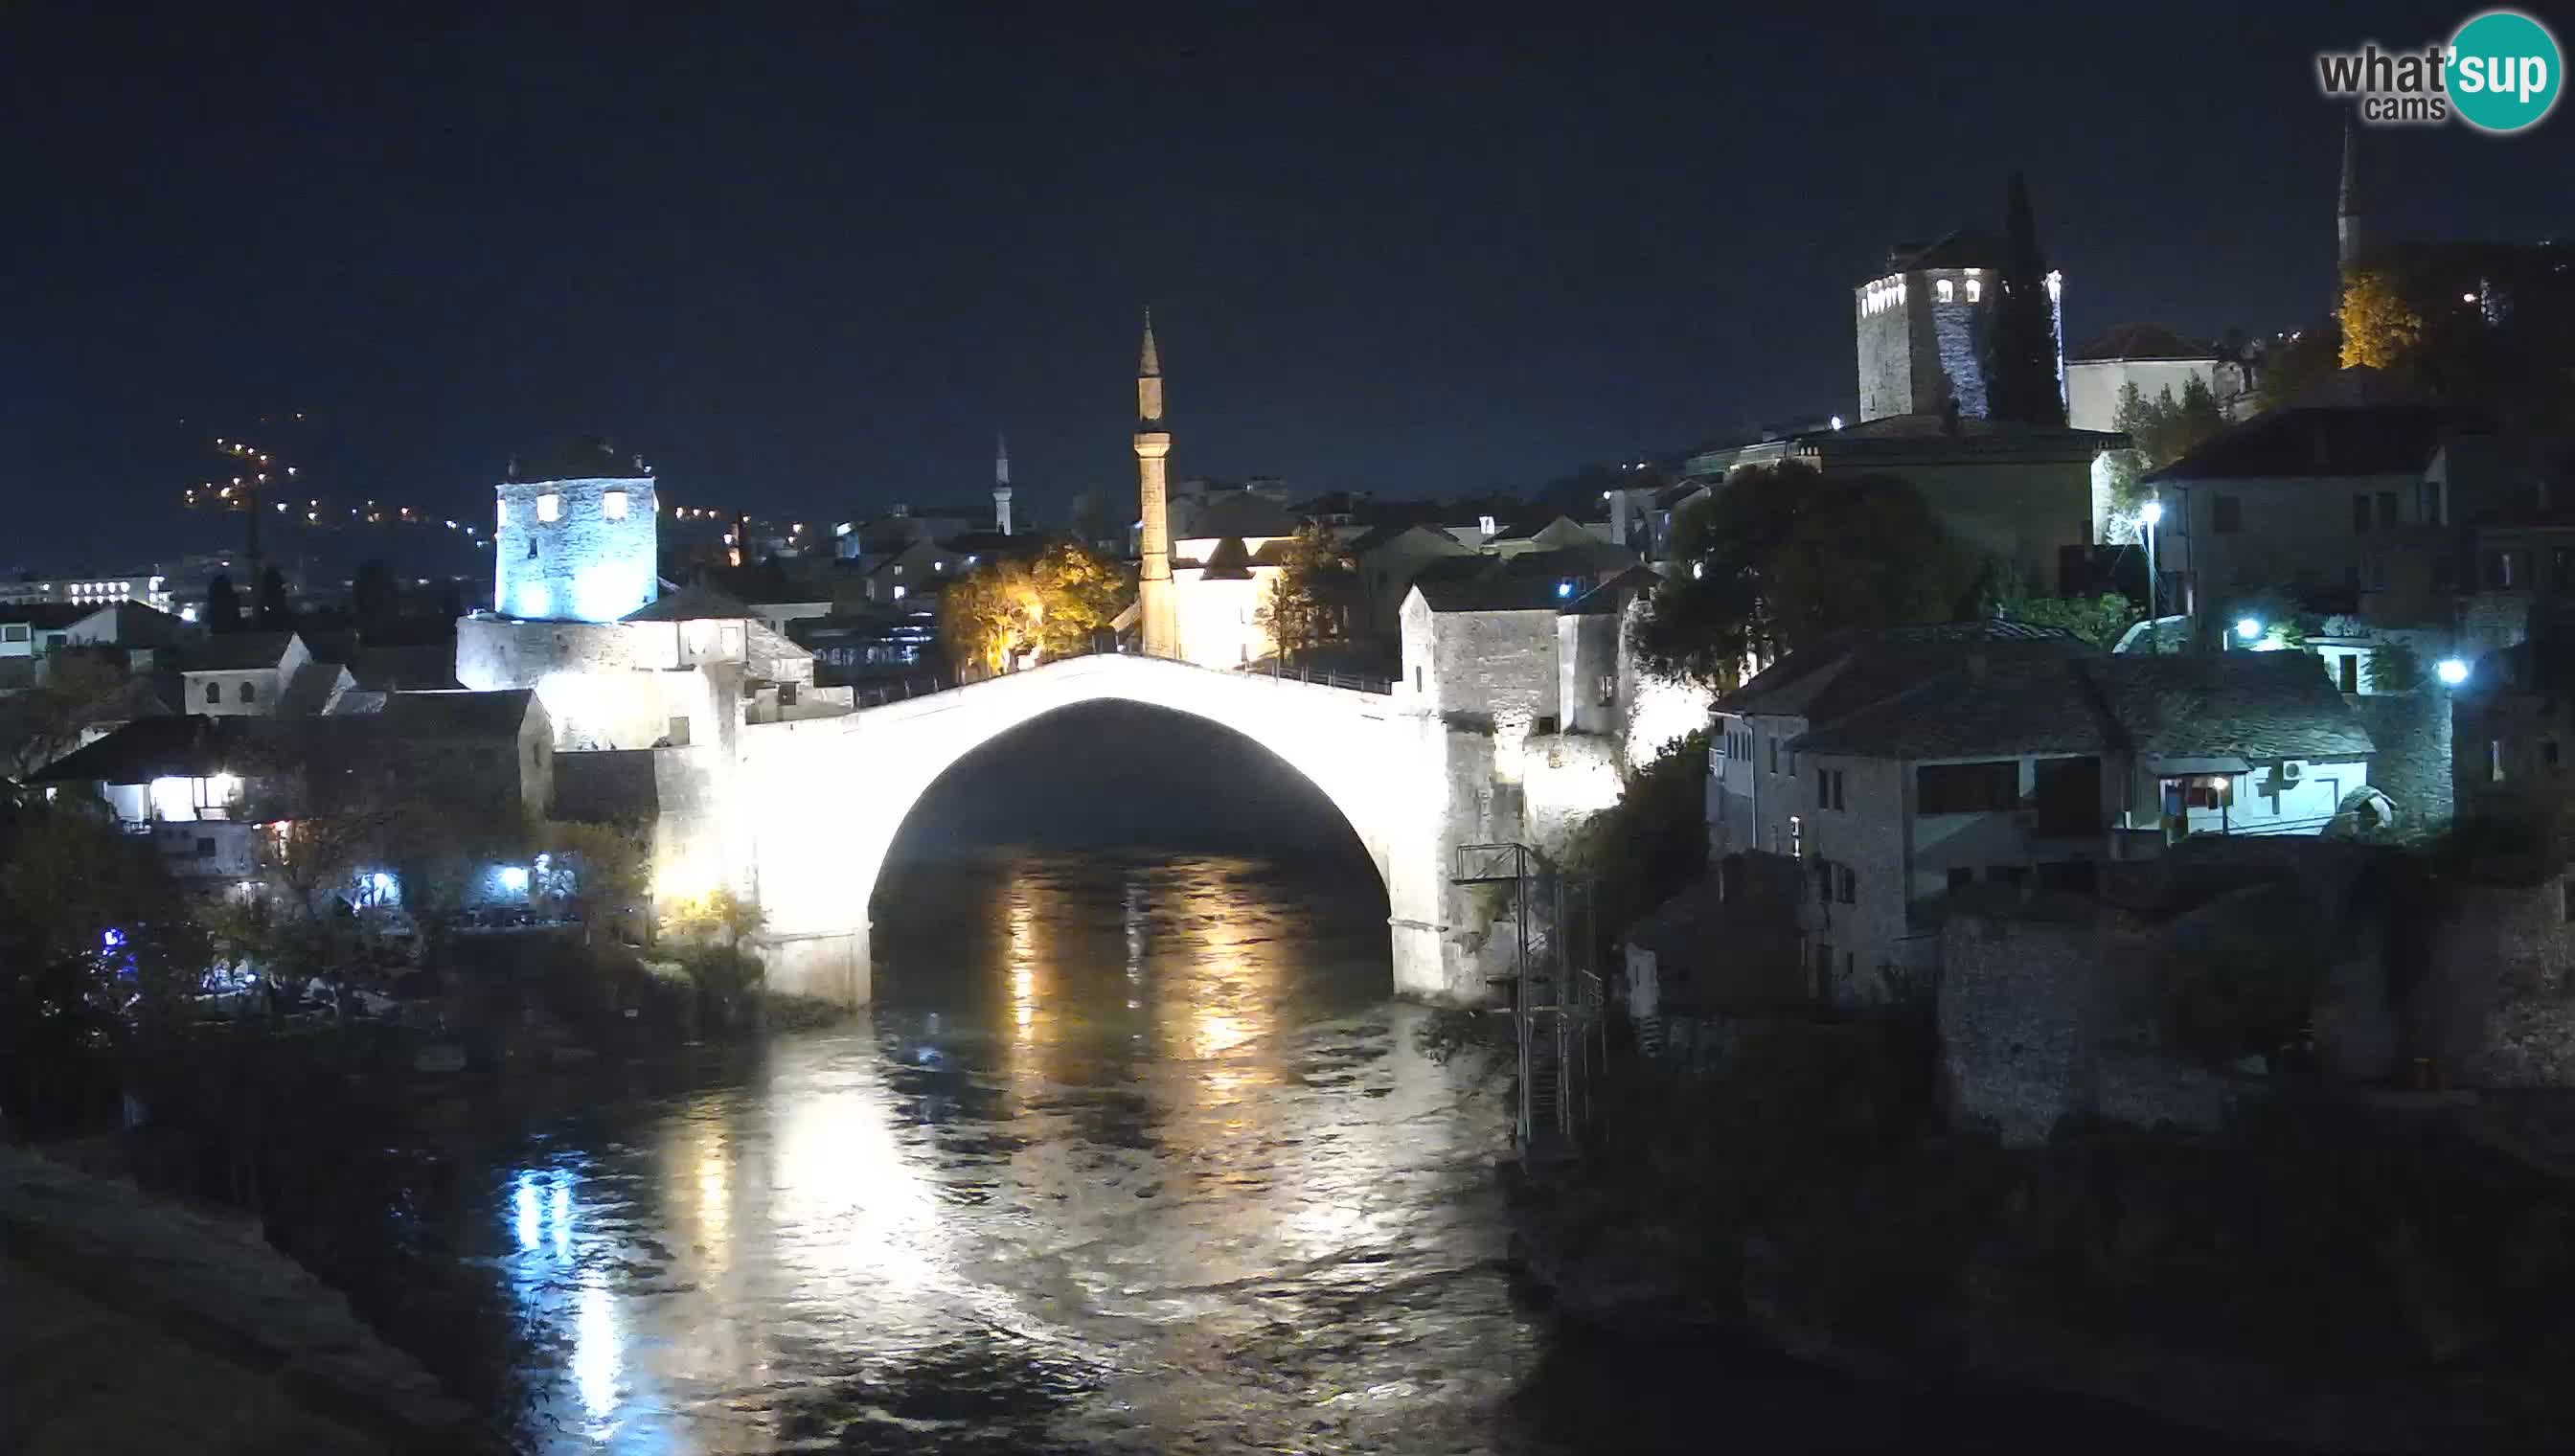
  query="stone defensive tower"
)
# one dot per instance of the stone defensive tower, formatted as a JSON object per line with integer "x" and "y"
{"x": 1158, "y": 618}
{"x": 576, "y": 537}
{"x": 1922, "y": 326}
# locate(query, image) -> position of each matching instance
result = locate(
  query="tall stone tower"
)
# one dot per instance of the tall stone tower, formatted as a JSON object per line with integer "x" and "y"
{"x": 2347, "y": 212}
{"x": 1158, "y": 616}
{"x": 1002, "y": 484}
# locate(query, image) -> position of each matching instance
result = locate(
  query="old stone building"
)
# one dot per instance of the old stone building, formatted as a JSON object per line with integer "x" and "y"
{"x": 1923, "y": 324}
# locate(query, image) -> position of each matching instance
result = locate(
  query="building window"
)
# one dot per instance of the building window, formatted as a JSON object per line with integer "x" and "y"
{"x": 1824, "y": 960}
{"x": 2494, "y": 761}
{"x": 612, "y": 503}
{"x": 1845, "y": 884}
{"x": 2349, "y": 666}
{"x": 2388, "y": 510}
{"x": 1960, "y": 789}
{"x": 250, "y": 693}
{"x": 214, "y": 692}
{"x": 898, "y": 594}
{"x": 2225, "y": 514}
{"x": 2360, "y": 511}
{"x": 1829, "y": 789}
{"x": 549, "y": 507}
{"x": 1796, "y": 836}
{"x": 1975, "y": 290}
{"x": 205, "y": 848}
{"x": 2206, "y": 792}
{"x": 1946, "y": 290}
{"x": 1774, "y": 756}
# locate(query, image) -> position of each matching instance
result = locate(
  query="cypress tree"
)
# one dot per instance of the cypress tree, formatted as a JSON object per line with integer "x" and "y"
{"x": 2020, "y": 352}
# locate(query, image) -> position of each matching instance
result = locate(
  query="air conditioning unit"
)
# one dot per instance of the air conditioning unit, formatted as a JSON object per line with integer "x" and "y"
{"x": 2291, "y": 769}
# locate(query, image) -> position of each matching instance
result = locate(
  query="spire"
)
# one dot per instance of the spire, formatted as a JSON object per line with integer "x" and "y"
{"x": 1149, "y": 365}
{"x": 1001, "y": 461}
{"x": 2347, "y": 210}
{"x": 1149, "y": 380}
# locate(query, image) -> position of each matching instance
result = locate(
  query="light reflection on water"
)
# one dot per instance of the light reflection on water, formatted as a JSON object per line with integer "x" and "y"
{"x": 1128, "y": 1156}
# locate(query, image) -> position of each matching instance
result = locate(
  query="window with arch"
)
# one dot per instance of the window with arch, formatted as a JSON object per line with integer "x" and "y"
{"x": 1946, "y": 290}
{"x": 214, "y": 692}
{"x": 250, "y": 693}
{"x": 1975, "y": 290}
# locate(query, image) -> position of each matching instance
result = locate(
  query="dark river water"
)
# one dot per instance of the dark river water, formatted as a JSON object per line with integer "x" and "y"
{"x": 1132, "y": 1154}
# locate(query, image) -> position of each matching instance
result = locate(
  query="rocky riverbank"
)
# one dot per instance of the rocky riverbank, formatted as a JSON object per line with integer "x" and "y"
{"x": 2322, "y": 1278}
{"x": 136, "y": 1324}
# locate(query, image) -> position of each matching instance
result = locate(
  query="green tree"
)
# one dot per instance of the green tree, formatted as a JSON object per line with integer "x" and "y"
{"x": 1307, "y": 607}
{"x": 273, "y": 613}
{"x": 2393, "y": 666}
{"x": 223, "y": 605}
{"x": 1780, "y": 555}
{"x": 599, "y": 871}
{"x": 2101, "y": 621}
{"x": 46, "y": 721}
{"x": 1652, "y": 844}
{"x": 2163, "y": 430}
{"x": 98, "y": 949}
{"x": 2021, "y": 383}
{"x": 2298, "y": 363}
{"x": 373, "y": 600}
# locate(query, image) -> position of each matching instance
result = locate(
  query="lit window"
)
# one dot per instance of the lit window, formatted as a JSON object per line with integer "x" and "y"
{"x": 897, "y": 593}
{"x": 549, "y": 507}
{"x": 1946, "y": 290}
{"x": 613, "y": 504}
{"x": 1975, "y": 290}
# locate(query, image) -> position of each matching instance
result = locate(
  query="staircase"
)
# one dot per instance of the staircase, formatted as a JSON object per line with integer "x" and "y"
{"x": 1556, "y": 1004}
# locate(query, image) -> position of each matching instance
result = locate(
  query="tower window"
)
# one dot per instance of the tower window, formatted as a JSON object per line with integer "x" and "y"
{"x": 611, "y": 505}
{"x": 1975, "y": 290}
{"x": 1946, "y": 290}
{"x": 549, "y": 507}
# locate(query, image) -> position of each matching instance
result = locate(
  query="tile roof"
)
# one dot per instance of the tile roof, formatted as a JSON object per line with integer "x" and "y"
{"x": 182, "y": 746}
{"x": 1612, "y": 595}
{"x": 2142, "y": 340}
{"x": 45, "y": 616}
{"x": 1529, "y": 581}
{"x": 2302, "y": 442}
{"x": 2256, "y": 705}
{"x": 1849, "y": 670}
{"x": 2040, "y": 705}
{"x": 689, "y": 604}
{"x": 1240, "y": 512}
{"x": 458, "y": 714}
{"x": 309, "y": 689}
{"x": 236, "y": 651}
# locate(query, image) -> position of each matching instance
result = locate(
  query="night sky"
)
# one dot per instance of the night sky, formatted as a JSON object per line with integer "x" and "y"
{"x": 809, "y": 259}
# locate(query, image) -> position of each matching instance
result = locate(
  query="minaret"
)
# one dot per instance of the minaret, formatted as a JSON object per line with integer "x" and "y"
{"x": 1002, "y": 484}
{"x": 1157, "y": 615}
{"x": 2348, "y": 212}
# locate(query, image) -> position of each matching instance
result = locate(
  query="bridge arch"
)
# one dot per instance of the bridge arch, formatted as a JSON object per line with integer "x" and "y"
{"x": 818, "y": 802}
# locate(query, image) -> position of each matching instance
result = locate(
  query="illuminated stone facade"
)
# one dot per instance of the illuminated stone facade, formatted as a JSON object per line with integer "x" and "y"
{"x": 1922, "y": 328}
{"x": 574, "y": 550}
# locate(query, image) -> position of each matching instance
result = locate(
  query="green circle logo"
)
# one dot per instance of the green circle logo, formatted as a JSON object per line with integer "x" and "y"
{"x": 2504, "y": 71}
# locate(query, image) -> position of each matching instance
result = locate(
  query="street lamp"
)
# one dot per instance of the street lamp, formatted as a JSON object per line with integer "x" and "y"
{"x": 2451, "y": 671}
{"x": 2152, "y": 514}
{"x": 2248, "y": 628}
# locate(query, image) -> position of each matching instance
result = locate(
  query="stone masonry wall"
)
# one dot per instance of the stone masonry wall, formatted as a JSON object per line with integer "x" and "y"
{"x": 2412, "y": 765}
{"x": 2016, "y": 1021}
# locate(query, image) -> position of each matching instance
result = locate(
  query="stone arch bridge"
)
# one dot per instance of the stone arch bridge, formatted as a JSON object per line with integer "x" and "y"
{"x": 813, "y": 806}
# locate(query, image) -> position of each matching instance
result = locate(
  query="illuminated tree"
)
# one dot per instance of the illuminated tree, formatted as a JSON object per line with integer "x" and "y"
{"x": 1779, "y": 556}
{"x": 598, "y": 870}
{"x": 2163, "y": 430}
{"x": 1308, "y": 606}
{"x": 1049, "y": 607}
{"x": 2380, "y": 330}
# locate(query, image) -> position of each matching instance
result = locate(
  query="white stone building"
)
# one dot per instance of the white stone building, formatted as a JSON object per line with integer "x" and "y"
{"x": 1897, "y": 767}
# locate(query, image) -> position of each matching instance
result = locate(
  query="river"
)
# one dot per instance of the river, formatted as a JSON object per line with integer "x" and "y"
{"x": 1133, "y": 1153}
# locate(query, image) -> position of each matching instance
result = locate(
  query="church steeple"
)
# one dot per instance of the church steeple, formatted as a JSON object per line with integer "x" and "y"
{"x": 1158, "y": 616}
{"x": 1001, "y": 482}
{"x": 2348, "y": 240}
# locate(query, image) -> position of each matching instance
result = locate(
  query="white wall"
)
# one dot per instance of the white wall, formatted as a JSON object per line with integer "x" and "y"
{"x": 2092, "y": 385}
